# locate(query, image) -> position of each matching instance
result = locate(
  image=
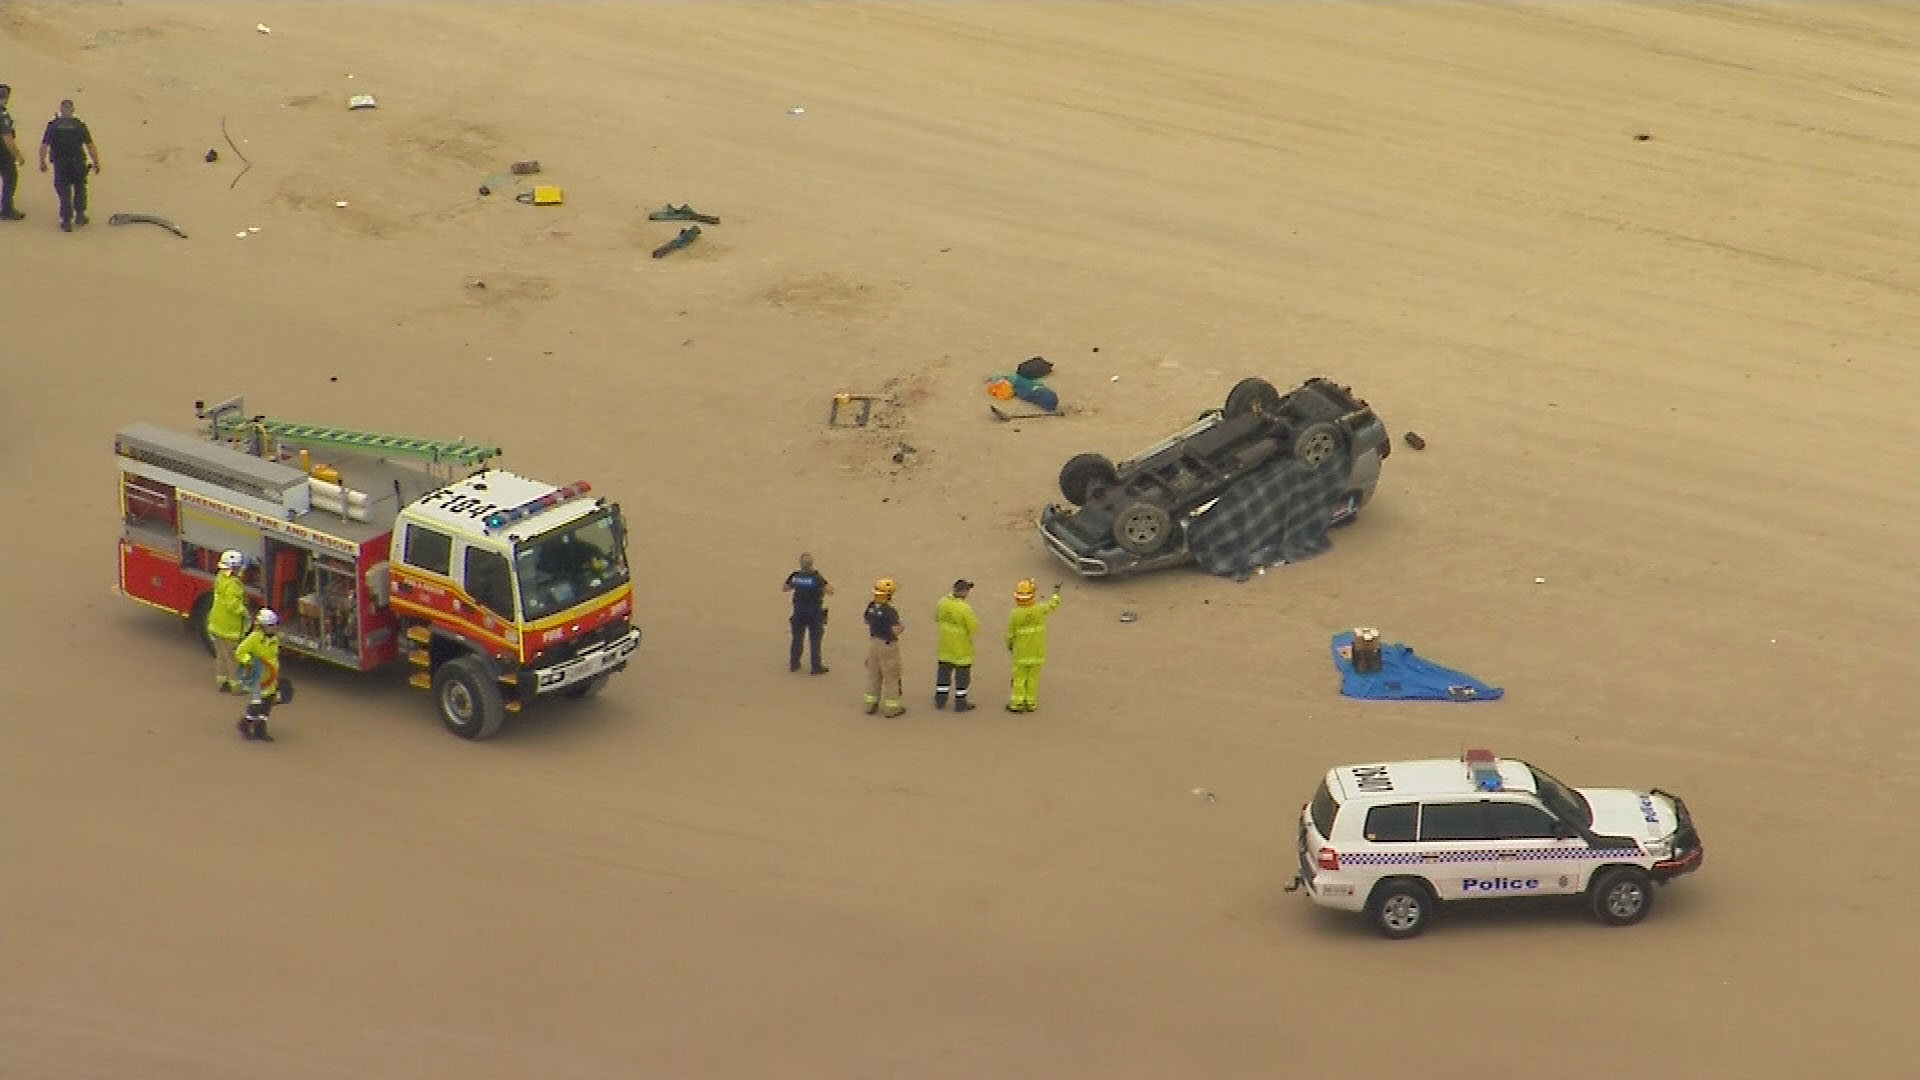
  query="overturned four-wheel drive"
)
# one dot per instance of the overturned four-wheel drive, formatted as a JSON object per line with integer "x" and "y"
{"x": 1257, "y": 483}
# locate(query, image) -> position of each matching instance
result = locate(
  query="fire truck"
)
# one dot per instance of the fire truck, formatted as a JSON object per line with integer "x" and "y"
{"x": 498, "y": 589}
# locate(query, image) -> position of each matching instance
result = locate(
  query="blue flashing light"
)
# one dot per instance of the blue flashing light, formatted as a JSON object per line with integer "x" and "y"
{"x": 500, "y": 519}
{"x": 1483, "y": 770}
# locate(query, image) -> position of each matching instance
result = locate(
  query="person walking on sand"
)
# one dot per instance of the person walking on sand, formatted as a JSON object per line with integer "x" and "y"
{"x": 1027, "y": 641}
{"x": 10, "y": 159}
{"x": 883, "y": 651}
{"x": 69, "y": 145}
{"x": 227, "y": 620}
{"x": 954, "y": 616}
{"x": 259, "y": 657}
{"x": 809, "y": 620}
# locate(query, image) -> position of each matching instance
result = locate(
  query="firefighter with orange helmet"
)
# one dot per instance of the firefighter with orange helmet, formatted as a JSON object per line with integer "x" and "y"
{"x": 259, "y": 656}
{"x": 883, "y": 651}
{"x": 1027, "y": 641}
{"x": 227, "y": 620}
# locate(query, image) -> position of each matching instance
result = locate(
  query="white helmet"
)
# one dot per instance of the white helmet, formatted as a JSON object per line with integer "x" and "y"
{"x": 232, "y": 560}
{"x": 266, "y": 619}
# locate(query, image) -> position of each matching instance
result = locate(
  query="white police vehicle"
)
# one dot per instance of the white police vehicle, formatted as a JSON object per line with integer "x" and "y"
{"x": 1394, "y": 840}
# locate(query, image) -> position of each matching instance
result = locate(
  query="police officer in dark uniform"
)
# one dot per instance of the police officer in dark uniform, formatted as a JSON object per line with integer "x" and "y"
{"x": 10, "y": 159}
{"x": 68, "y": 142}
{"x": 809, "y": 622}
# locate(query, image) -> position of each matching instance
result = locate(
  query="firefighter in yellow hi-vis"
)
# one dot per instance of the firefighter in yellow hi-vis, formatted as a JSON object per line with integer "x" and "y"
{"x": 259, "y": 658}
{"x": 1027, "y": 641}
{"x": 955, "y": 618}
{"x": 227, "y": 620}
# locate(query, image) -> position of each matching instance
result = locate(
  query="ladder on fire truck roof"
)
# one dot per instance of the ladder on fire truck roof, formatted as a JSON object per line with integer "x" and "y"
{"x": 229, "y": 422}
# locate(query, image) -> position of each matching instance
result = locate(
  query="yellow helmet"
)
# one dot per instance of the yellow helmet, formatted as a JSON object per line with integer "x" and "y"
{"x": 1023, "y": 593}
{"x": 883, "y": 590}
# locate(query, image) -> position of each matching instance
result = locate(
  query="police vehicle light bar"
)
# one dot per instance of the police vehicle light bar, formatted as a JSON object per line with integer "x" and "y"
{"x": 1482, "y": 769}
{"x": 500, "y": 519}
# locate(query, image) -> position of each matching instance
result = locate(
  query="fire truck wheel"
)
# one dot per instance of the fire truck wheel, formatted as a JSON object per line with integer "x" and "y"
{"x": 587, "y": 689}
{"x": 470, "y": 702}
{"x": 197, "y": 620}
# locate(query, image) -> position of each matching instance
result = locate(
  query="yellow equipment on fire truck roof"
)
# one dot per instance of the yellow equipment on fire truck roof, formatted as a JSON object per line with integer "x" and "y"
{"x": 498, "y": 589}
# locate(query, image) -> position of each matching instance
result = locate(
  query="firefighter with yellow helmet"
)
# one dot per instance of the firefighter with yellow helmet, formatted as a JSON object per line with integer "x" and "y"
{"x": 1027, "y": 641}
{"x": 883, "y": 651}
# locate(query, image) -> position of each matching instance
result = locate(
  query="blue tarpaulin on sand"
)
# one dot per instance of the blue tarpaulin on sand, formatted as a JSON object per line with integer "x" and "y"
{"x": 1406, "y": 677}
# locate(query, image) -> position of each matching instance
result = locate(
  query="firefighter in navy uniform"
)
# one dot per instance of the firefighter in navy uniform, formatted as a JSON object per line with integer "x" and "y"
{"x": 883, "y": 651}
{"x": 10, "y": 159}
{"x": 69, "y": 146}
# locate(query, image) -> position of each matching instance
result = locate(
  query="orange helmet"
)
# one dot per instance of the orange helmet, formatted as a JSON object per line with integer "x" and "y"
{"x": 1024, "y": 592}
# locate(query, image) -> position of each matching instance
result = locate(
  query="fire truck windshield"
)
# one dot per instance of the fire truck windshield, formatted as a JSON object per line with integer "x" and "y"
{"x": 571, "y": 565}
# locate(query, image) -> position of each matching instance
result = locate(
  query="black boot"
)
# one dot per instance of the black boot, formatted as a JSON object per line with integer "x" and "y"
{"x": 939, "y": 700}
{"x": 244, "y": 727}
{"x": 260, "y": 730}
{"x": 962, "y": 705}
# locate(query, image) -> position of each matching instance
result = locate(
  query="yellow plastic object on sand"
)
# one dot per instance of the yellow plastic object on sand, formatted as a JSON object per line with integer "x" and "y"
{"x": 542, "y": 195}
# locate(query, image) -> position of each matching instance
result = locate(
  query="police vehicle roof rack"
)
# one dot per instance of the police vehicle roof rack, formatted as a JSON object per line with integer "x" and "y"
{"x": 228, "y": 422}
{"x": 1482, "y": 770}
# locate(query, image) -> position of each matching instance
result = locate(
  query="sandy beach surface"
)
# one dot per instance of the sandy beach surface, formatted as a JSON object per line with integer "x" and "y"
{"x": 1672, "y": 376}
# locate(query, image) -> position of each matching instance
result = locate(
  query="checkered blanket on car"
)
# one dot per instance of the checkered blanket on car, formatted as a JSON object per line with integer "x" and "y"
{"x": 1275, "y": 514}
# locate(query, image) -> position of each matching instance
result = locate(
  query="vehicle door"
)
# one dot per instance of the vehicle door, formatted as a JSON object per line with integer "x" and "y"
{"x": 488, "y": 579}
{"x": 1458, "y": 852}
{"x": 1535, "y": 850}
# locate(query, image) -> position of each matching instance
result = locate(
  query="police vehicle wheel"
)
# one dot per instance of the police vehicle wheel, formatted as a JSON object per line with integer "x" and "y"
{"x": 1622, "y": 896}
{"x": 1141, "y": 529}
{"x": 470, "y": 701}
{"x": 1399, "y": 909}
{"x": 587, "y": 689}
{"x": 1251, "y": 396}
{"x": 1083, "y": 473}
{"x": 197, "y": 621}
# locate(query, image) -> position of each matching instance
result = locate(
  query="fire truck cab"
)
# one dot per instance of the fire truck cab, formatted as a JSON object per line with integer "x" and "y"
{"x": 497, "y": 589}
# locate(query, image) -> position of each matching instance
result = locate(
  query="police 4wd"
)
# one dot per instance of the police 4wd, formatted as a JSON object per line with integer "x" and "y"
{"x": 1395, "y": 840}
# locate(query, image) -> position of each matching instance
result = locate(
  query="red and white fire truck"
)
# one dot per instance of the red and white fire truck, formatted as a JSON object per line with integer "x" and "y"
{"x": 501, "y": 590}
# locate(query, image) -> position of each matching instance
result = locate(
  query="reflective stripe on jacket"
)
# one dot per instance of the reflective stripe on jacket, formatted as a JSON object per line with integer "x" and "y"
{"x": 227, "y": 618}
{"x": 1027, "y": 631}
{"x": 957, "y": 625}
{"x": 259, "y": 654}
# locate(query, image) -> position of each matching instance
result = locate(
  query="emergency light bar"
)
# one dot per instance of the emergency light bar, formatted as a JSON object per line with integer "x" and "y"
{"x": 1482, "y": 769}
{"x": 500, "y": 519}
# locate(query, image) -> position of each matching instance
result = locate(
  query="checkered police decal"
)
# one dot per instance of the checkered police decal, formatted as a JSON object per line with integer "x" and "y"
{"x": 1418, "y": 858}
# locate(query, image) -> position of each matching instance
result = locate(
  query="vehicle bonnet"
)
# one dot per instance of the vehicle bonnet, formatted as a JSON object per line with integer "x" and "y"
{"x": 1641, "y": 815}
